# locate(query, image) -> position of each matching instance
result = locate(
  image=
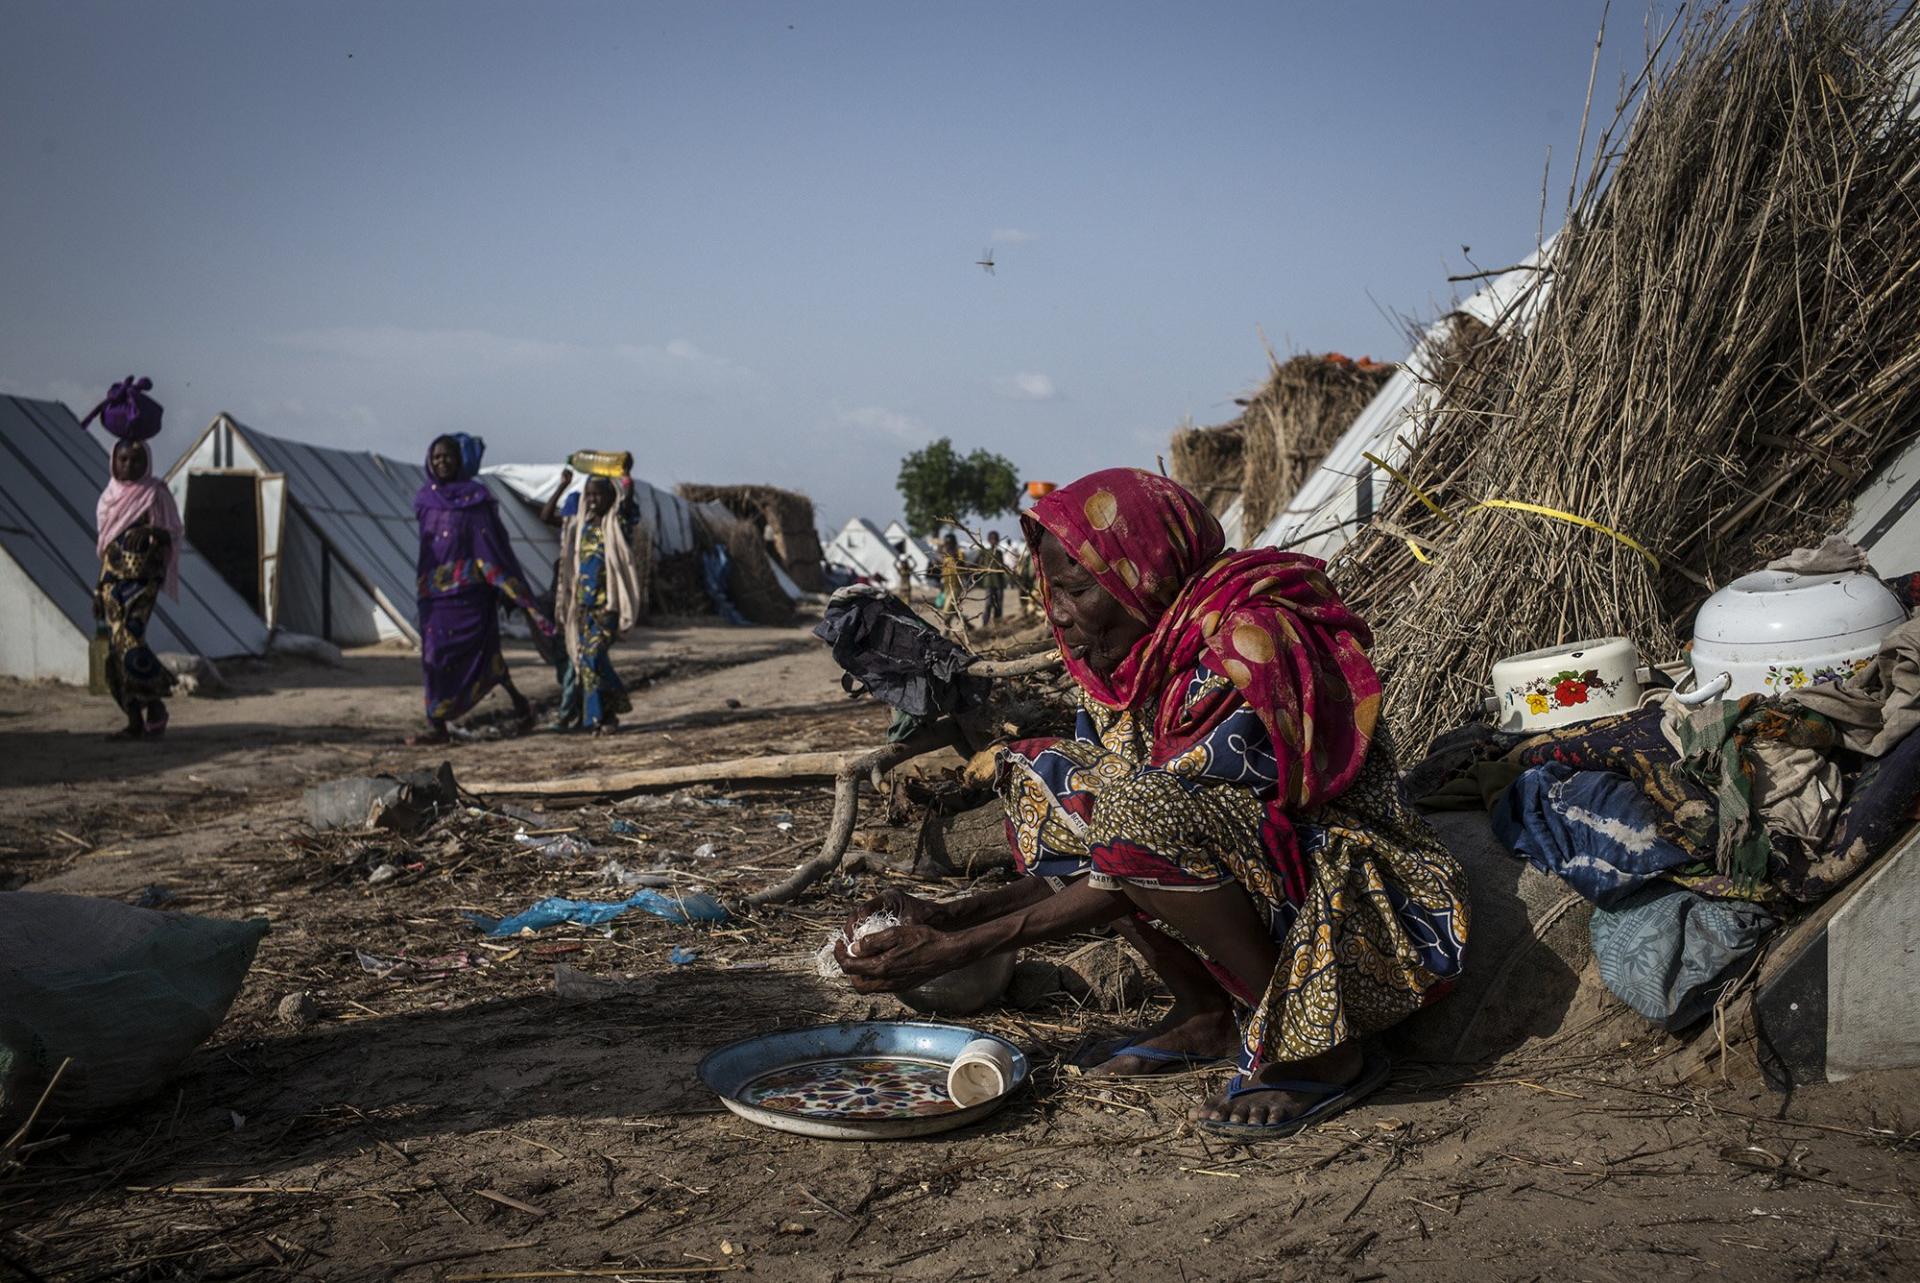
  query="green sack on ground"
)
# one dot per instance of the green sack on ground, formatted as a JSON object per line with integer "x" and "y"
{"x": 121, "y": 995}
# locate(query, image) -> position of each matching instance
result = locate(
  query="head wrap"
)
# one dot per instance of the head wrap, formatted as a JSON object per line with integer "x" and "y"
{"x": 123, "y": 503}
{"x": 128, "y": 412}
{"x": 1268, "y": 621}
{"x": 466, "y": 490}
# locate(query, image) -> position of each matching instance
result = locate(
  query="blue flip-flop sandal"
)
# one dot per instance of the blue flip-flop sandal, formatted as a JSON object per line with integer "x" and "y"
{"x": 1336, "y": 1097}
{"x": 1176, "y": 1061}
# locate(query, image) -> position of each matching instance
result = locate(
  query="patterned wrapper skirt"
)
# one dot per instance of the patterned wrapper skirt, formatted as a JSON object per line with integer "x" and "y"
{"x": 1371, "y": 922}
{"x": 130, "y": 581}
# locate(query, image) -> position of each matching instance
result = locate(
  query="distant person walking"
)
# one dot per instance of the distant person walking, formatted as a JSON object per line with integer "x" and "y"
{"x": 993, "y": 579}
{"x": 139, "y": 545}
{"x": 953, "y": 584}
{"x": 597, "y": 594}
{"x": 466, "y": 568}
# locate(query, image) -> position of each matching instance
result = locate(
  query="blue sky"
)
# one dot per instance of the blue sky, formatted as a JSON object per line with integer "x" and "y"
{"x": 738, "y": 239}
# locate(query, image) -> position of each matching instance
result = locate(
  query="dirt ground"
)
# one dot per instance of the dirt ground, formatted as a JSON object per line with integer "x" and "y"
{"x": 448, "y": 1114}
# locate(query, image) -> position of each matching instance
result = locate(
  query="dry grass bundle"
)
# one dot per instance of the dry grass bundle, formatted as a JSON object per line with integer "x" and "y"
{"x": 750, "y": 580}
{"x": 1292, "y": 421}
{"x": 1210, "y": 462}
{"x": 783, "y": 517}
{"x": 1729, "y": 343}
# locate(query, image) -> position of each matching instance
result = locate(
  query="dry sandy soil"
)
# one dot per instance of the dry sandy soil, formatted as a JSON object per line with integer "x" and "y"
{"x": 454, "y": 1117}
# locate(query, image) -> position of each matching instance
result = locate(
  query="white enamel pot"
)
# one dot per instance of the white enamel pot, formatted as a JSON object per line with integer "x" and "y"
{"x": 1561, "y": 685}
{"x": 1773, "y": 631}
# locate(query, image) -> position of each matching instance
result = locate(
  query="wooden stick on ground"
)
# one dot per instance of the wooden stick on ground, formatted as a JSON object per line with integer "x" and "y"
{"x": 846, "y": 810}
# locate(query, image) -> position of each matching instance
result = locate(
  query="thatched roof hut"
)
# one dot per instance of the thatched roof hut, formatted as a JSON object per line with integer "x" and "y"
{"x": 1693, "y": 393}
{"x": 1291, "y": 422}
{"x": 1209, "y": 462}
{"x": 783, "y": 518}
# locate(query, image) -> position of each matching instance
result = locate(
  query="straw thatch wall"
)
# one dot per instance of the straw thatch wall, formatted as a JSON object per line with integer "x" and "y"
{"x": 784, "y": 518}
{"x": 1292, "y": 421}
{"x": 1210, "y": 462}
{"x": 1728, "y": 343}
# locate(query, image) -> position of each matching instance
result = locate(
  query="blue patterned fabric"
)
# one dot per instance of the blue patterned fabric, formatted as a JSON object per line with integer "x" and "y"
{"x": 1594, "y": 830}
{"x": 1667, "y": 952}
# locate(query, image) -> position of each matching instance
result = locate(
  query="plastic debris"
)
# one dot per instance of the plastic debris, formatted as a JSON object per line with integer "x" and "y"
{"x": 554, "y": 910}
{"x": 560, "y": 847}
{"x": 704, "y": 851}
{"x": 682, "y": 955}
{"x": 384, "y": 873}
{"x": 620, "y": 875}
{"x": 619, "y": 825}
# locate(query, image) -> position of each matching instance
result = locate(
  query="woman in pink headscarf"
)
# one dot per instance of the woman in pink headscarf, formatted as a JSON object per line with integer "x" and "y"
{"x": 1230, "y": 780}
{"x": 139, "y": 545}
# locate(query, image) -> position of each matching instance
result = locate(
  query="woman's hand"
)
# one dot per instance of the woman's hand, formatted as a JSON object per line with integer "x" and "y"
{"x": 901, "y": 958}
{"x": 910, "y": 909}
{"x": 566, "y": 479}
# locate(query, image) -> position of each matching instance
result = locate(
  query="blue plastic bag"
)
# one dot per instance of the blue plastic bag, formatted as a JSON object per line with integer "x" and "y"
{"x": 698, "y": 907}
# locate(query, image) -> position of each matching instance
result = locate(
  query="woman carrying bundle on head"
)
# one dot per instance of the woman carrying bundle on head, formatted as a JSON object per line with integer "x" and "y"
{"x": 139, "y": 544}
{"x": 597, "y": 595}
{"x": 466, "y": 569}
{"x": 1229, "y": 779}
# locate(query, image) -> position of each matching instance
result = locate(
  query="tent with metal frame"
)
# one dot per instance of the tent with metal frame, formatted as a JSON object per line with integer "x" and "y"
{"x": 321, "y": 540}
{"x": 51, "y": 475}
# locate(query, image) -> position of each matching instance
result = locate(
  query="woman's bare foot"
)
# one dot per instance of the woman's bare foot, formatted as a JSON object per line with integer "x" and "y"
{"x": 1342, "y": 1065}
{"x": 1201, "y": 1032}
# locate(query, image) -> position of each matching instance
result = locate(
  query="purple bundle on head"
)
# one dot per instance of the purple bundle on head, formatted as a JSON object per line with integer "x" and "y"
{"x": 128, "y": 413}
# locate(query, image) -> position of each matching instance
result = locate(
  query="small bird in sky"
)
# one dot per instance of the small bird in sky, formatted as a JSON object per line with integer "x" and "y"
{"x": 985, "y": 261}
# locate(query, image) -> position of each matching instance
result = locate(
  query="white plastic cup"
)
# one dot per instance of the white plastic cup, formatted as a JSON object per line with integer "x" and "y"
{"x": 981, "y": 1071}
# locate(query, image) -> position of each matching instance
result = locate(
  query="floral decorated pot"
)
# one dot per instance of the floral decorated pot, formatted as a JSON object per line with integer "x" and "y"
{"x": 1774, "y": 631}
{"x": 1560, "y": 685}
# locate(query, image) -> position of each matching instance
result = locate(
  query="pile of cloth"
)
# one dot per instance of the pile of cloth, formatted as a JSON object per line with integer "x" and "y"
{"x": 1696, "y": 830}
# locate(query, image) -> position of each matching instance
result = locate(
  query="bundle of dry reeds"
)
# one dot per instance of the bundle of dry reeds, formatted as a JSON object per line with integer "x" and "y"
{"x": 1210, "y": 462}
{"x": 1292, "y": 421}
{"x": 1728, "y": 344}
{"x": 785, "y": 519}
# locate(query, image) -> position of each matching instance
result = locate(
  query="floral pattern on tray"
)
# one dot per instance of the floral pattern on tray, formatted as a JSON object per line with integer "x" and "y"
{"x": 864, "y": 1088}
{"x": 1567, "y": 689}
{"x": 1787, "y": 677}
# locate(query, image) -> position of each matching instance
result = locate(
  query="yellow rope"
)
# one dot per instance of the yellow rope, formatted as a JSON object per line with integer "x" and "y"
{"x": 1574, "y": 519}
{"x": 1404, "y": 480}
{"x": 1515, "y": 505}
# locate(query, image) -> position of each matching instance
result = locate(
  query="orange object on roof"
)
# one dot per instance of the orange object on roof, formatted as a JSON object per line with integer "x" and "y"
{"x": 1040, "y": 489}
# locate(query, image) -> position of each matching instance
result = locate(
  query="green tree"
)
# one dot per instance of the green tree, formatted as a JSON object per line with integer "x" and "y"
{"x": 939, "y": 485}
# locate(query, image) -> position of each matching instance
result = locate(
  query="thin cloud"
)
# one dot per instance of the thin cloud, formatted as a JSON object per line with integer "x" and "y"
{"x": 1025, "y": 386}
{"x": 678, "y": 364}
{"x": 1013, "y": 236}
{"x": 877, "y": 418}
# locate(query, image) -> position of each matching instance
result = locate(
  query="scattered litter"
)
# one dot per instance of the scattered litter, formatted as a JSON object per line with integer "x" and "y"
{"x": 625, "y": 826}
{"x": 402, "y": 803}
{"x": 704, "y": 851}
{"x": 384, "y": 873}
{"x": 376, "y": 965}
{"x": 620, "y": 875}
{"x": 519, "y": 813}
{"x": 552, "y": 911}
{"x": 562, "y": 847}
{"x": 829, "y": 966}
{"x": 682, "y": 955}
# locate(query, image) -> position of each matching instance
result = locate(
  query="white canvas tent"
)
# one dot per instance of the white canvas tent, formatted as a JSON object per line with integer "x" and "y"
{"x": 1340, "y": 495}
{"x": 862, "y": 550}
{"x": 1886, "y": 515}
{"x": 51, "y": 475}
{"x": 918, "y": 550}
{"x": 320, "y": 540}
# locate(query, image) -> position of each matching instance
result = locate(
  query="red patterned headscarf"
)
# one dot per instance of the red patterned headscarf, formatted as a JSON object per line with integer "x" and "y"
{"x": 1269, "y": 621}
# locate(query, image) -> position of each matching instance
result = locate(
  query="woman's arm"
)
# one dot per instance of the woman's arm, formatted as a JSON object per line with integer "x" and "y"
{"x": 909, "y": 955}
{"x": 550, "y": 510}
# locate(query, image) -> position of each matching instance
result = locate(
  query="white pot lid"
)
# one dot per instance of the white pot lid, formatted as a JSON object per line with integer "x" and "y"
{"x": 1773, "y": 607}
